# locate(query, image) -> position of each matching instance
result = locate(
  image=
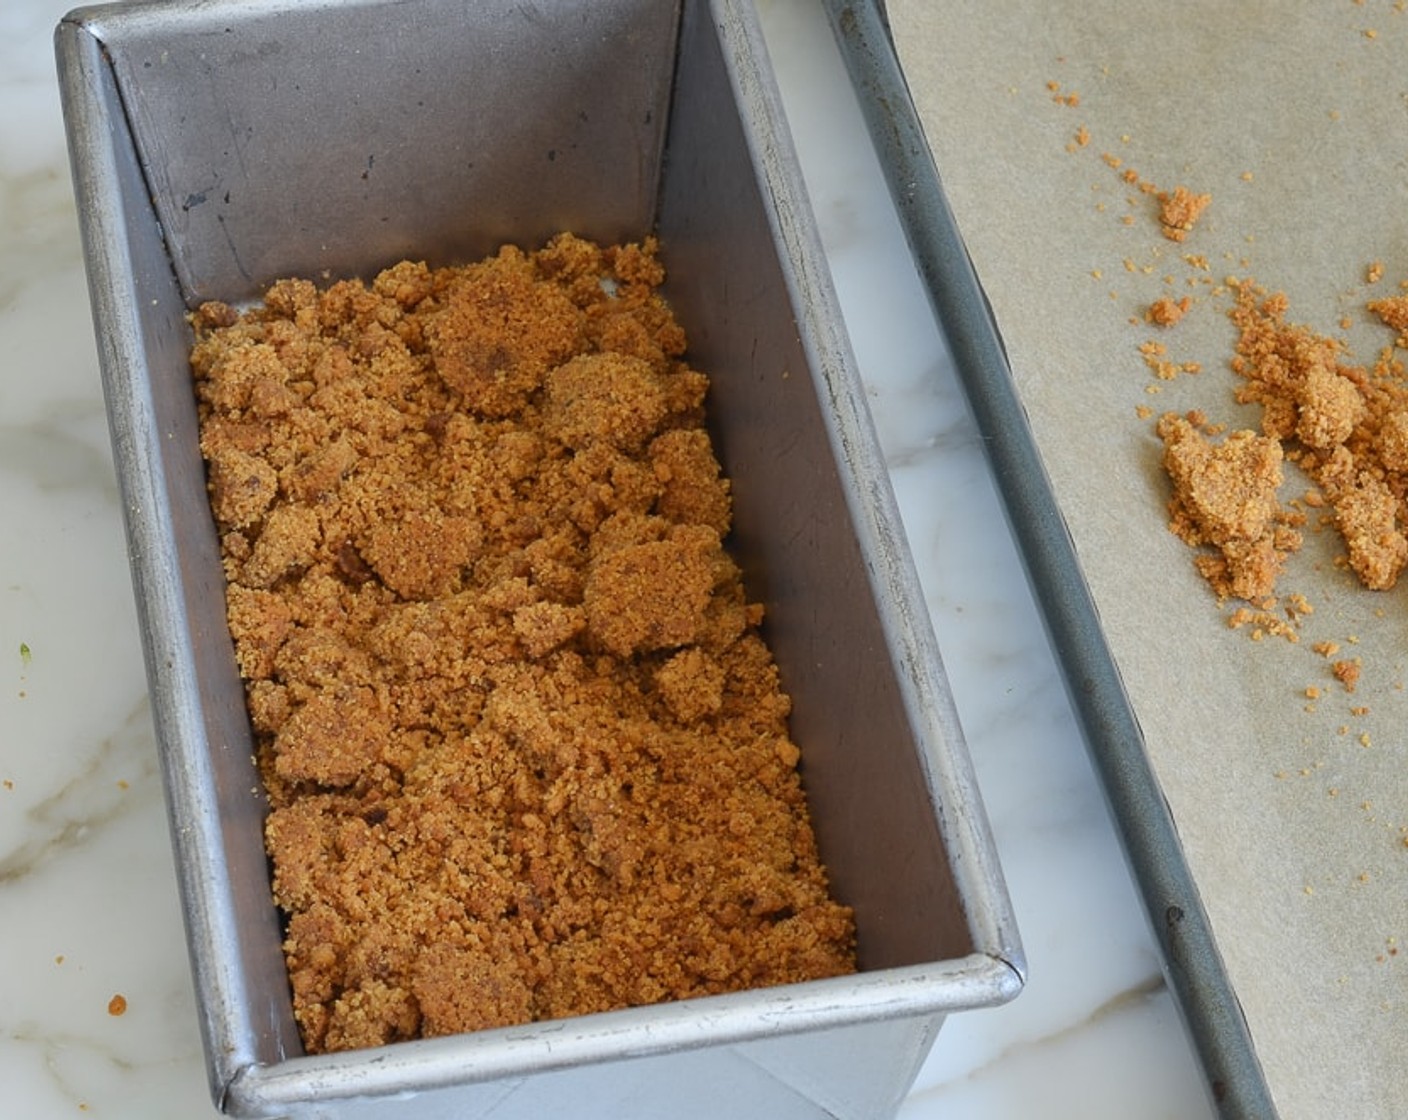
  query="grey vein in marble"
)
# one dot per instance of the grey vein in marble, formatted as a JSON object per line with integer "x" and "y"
{"x": 102, "y": 783}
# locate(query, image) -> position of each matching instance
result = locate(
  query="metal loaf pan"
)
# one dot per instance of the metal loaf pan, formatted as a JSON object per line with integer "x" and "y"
{"x": 222, "y": 144}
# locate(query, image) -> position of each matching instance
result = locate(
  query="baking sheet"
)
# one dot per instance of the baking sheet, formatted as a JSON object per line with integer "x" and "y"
{"x": 1291, "y": 813}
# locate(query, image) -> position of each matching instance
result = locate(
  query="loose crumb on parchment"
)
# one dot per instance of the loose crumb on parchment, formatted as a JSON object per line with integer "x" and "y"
{"x": 1179, "y": 211}
{"x": 1342, "y": 424}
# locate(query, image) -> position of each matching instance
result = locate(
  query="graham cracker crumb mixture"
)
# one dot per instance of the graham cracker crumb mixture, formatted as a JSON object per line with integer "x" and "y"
{"x": 526, "y": 752}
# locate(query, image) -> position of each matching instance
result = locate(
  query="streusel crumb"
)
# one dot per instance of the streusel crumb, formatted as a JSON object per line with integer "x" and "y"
{"x": 526, "y": 753}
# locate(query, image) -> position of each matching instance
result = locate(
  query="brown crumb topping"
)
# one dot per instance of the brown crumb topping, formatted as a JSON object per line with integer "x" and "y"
{"x": 526, "y": 752}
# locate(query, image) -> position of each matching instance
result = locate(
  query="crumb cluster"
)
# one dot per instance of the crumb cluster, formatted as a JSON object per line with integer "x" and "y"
{"x": 1179, "y": 211}
{"x": 1166, "y": 311}
{"x": 526, "y": 752}
{"x": 1225, "y": 497}
{"x": 1344, "y": 425}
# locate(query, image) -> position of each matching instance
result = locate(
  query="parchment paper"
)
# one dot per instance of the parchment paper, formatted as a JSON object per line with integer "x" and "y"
{"x": 1292, "y": 809}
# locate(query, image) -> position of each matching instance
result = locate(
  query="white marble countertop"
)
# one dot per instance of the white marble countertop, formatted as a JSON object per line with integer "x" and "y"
{"x": 88, "y": 907}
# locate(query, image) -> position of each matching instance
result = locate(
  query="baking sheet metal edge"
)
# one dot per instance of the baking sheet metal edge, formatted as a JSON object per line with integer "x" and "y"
{"x": 1192, "y": 963}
